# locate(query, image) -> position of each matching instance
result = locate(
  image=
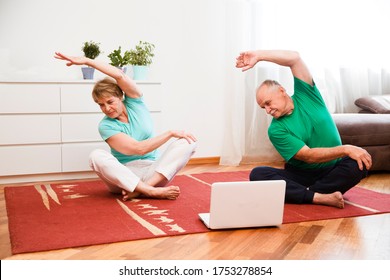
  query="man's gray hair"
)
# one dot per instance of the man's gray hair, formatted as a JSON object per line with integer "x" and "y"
{"x": 270, "y": 83}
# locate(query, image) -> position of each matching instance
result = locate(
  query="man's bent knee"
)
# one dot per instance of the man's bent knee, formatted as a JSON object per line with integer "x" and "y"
{"x": 261, "y": 173}
{"x": 355, "y": 170}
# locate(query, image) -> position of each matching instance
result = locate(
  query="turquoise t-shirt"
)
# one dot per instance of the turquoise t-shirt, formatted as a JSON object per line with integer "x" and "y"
{"x": 310, "y": 124}
{"x": 140, "y": 127}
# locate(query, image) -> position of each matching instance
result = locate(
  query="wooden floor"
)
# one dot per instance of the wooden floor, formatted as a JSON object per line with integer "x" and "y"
{"x": 350, "y": 238}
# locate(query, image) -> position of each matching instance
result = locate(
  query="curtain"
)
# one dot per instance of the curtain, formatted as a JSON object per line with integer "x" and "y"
{"x": 343, "y": 43}
{"x": 237, "y": 19}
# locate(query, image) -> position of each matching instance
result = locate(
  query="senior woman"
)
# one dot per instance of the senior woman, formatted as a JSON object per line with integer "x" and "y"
{"x": 133, "y": 167}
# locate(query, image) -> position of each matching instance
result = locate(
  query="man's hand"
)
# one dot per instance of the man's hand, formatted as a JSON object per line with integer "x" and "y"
{"x": 361, "y": 156}
{"x": 246, "y": 60}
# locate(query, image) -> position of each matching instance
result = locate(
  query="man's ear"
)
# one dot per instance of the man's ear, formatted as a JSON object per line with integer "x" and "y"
{"x": 282, "y": 89}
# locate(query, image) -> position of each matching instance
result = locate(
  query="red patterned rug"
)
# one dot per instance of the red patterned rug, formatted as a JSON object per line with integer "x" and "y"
{"x": 56, "y": 216}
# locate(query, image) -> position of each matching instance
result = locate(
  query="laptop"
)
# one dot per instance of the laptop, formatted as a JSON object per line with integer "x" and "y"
{"x": 245, "y": 204}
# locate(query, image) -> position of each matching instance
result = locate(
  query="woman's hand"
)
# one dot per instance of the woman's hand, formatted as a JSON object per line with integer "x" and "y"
{"x": 72, "y": 60}
{"x": 182, "y": 134}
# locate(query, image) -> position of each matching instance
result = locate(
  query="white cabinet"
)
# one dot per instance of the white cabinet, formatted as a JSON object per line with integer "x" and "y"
{"x": 80, "y": 127}
{"x": 75, "y": 155}
{"x": 29, "y": 98}
{"x": 29, "y": 159}
{"x": 31, "y": 129}
{"x": 52, "y": 127}
{"x": 77, "y": 98}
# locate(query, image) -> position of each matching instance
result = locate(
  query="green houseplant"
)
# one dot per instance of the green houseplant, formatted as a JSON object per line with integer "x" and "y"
{"x": 118, "y": 59}
{"x": 140, "y": 58}
{"x": 91, "y": 50}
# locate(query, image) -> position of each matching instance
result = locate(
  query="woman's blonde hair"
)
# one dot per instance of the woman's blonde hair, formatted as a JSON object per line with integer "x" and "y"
{"x": 106, "y": 88}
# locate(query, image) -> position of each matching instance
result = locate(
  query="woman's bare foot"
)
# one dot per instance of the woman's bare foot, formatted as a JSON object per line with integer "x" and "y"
{"x": 332, "y": 199}
{"x": 129, "y": 195}
{"x": 169, "y": 192}
{"x": 143, "y": 189}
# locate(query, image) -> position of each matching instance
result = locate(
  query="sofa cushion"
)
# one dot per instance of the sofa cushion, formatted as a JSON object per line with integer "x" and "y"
{"x": 378, "y": 104}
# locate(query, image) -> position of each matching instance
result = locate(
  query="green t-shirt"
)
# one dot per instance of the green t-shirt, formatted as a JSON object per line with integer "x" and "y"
{"x": 310, "y": 124}
{"x": 140, "y": 127}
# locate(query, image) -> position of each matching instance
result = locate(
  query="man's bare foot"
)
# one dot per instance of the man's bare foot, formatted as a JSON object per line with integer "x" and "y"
{"x": 332, "y": 199}
{"x": 129, "y": 195}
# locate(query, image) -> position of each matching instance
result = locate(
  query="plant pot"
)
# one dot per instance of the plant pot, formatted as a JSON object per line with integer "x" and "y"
{"x": 140, "y": 72}
{"x": 88, "y": 73}
{"x": 123, "y": 68}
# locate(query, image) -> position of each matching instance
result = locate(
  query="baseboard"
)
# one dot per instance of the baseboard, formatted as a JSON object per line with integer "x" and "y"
{"x": 204, "y": 160}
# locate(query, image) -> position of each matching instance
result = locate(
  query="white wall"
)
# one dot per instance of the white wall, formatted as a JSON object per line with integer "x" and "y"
{"x": 189, "y": 59}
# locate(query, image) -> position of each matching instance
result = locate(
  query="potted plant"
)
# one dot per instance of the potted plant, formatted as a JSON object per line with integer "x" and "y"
{"x": 91, "y": 50}
{"x": 140, "y": 58}
{"x": 118, "y": 59}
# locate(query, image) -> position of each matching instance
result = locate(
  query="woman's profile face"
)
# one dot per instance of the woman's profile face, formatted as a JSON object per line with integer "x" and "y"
{"x": 111, "y": 106}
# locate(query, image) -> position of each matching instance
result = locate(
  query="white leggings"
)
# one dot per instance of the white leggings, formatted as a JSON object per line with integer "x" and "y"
{"x": 118, "y": 176}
